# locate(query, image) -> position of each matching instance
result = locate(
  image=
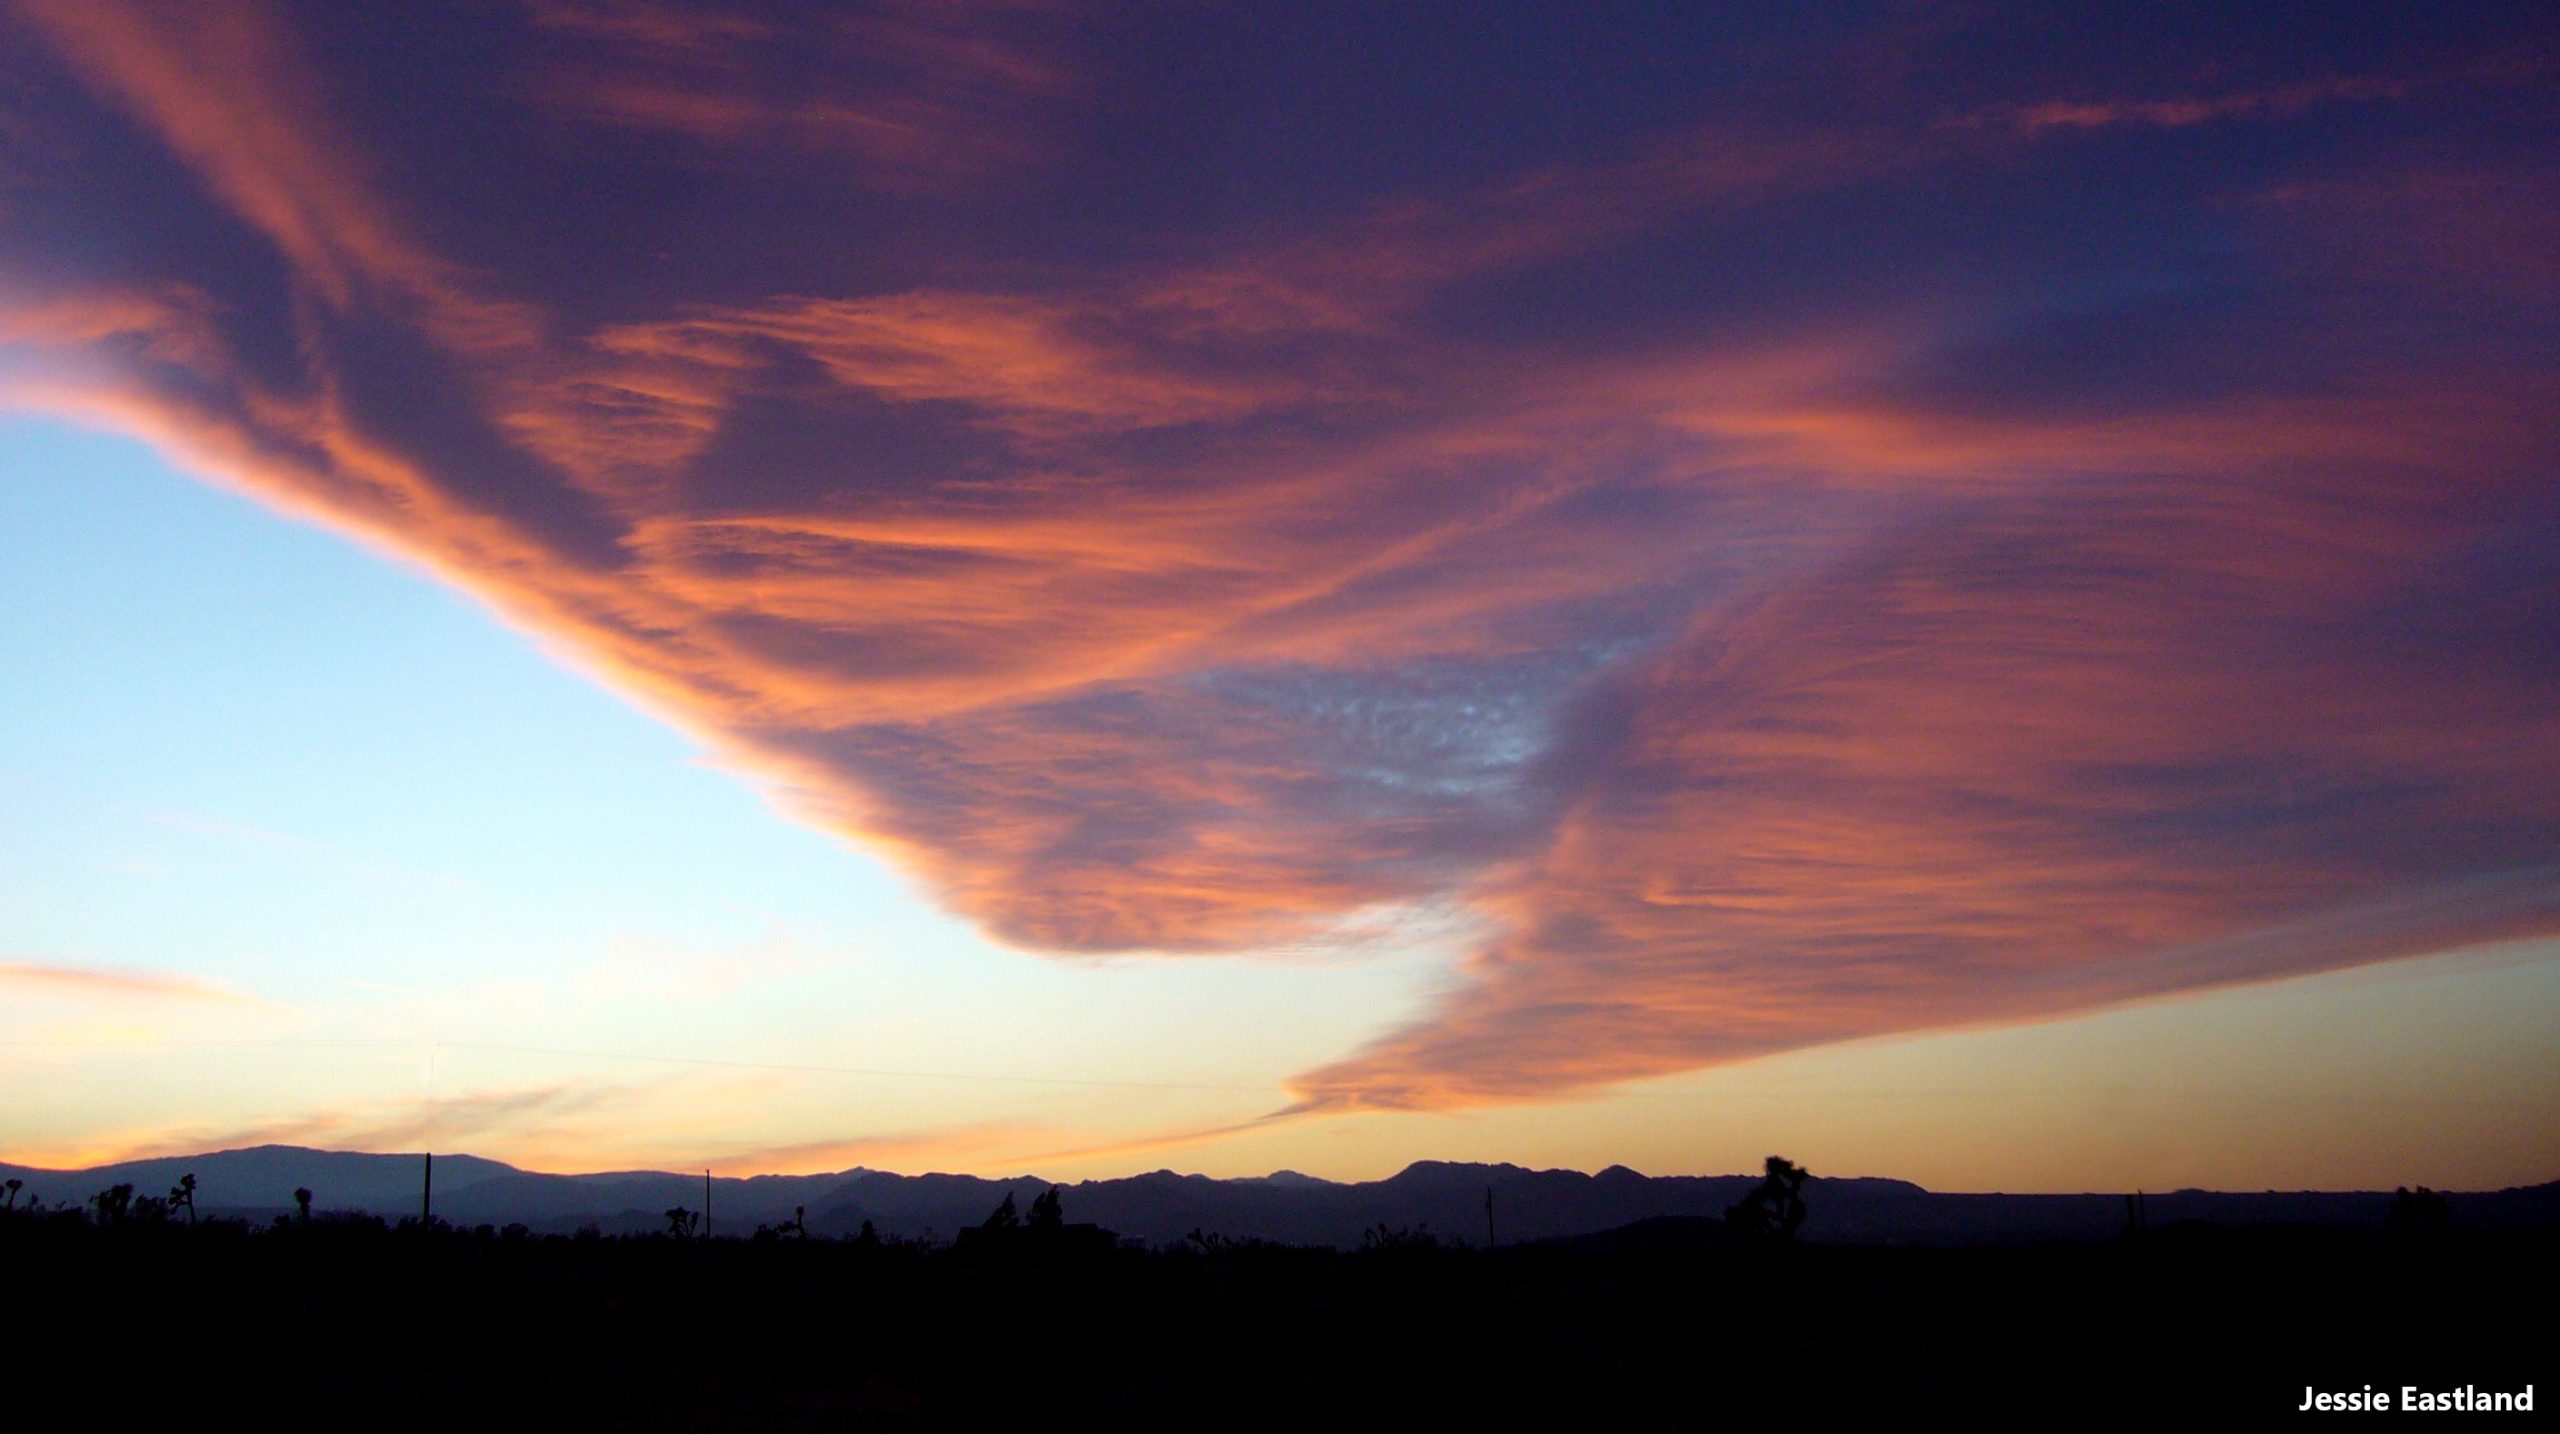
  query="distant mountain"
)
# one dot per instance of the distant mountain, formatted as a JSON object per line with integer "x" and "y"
{"x": 1280, "y": 1177}
{"x": 632, "y": 1200}
{"x": 264, "y": 1177}
{"x": 1163, "y": 1207}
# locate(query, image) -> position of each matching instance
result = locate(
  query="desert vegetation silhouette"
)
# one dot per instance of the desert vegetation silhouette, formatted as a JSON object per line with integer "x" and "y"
{"x": 2420, "y": 1214}
{"x": 1775, "y": 1208}
{"x": 814, "y": 1318}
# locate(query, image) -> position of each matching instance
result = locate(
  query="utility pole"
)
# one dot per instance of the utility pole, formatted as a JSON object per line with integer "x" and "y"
{"x": 1488, "y": 1217}
{"x": 427, "y": 1193}
{"x": 706, "y": 1204}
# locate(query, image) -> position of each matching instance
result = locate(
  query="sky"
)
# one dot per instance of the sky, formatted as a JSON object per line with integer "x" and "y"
{"x": 1962, "y": 592}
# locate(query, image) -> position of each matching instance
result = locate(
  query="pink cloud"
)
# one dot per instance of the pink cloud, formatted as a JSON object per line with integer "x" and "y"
{"x": 1763, "y": 653}
{"x": 920, "y": 95}
{"x": 93, "y": 983}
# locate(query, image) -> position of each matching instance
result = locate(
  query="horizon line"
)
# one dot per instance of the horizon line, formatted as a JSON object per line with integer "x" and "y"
{"x": 1408, "y": 1167}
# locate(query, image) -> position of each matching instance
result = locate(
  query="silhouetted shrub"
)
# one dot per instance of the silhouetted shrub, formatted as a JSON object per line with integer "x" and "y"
{"x": 2418, "y": 1214}
{"x": 1380, "y": 1238}
{"x": 797, "y": 1227}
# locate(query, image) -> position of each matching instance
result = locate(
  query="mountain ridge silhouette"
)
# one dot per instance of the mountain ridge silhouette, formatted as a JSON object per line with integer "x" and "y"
{"x": 1163, "y": 1206}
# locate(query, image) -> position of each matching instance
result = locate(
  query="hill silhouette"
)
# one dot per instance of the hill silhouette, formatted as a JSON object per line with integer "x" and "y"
{"x": 1162, "y": 1207}
{"x": 396, "y": 1324}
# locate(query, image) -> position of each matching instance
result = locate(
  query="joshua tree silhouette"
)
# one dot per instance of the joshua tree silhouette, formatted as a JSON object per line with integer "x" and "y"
{"x": 1775, "y": 1207}
{"x": 183, "y": 1196}
{"x": 114, "y": 1204}
{"x": 15, "y": 1185}
{"x": 797, "y": 1227}
{"x": 681, "y": 1222}
{"x": 2418, "y": 1214}
{"x": 302, "y": 1204}
{"x": 1004, "y": 1217}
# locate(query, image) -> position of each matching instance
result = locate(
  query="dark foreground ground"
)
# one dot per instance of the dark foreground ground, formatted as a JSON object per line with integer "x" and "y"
{"x": 363, "y": 1327}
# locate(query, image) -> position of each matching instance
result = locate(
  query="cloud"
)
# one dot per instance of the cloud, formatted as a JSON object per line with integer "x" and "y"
{"x": 1784, "y": 570}
{"x": 90, "y": 984}
{"x": 2173, "y": 113}
{"x": 230, "y": 92}
{"x": 52, "y": 1014}
{"x": 498, "y": 1121}
{"x": 974, "y": 1144}
{"x": 1027, "y": 361}
{"x": 920, "y": 95}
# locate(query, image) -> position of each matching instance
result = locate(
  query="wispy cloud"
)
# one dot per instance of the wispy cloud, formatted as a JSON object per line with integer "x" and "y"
{"x": 920, "y": 95}
{"x": 972, "y": 1145}
{"x": 502, "y": 1122}
{"x": 2178, "y": 111}
{"x": 30, "y": 979}
{"x": 229, "y": 89}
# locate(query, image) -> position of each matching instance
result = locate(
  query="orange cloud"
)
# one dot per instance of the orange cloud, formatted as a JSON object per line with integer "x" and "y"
{"x": 226, "y": 88}
{"x": 1777, "y": 608}
{"x": 1029, "y": 361}
{"x": 2188, "y": 110}
{"x": 922, "y": 95}
{"x": 934, "y": 1149}
{"x": 543, "y": 1118}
